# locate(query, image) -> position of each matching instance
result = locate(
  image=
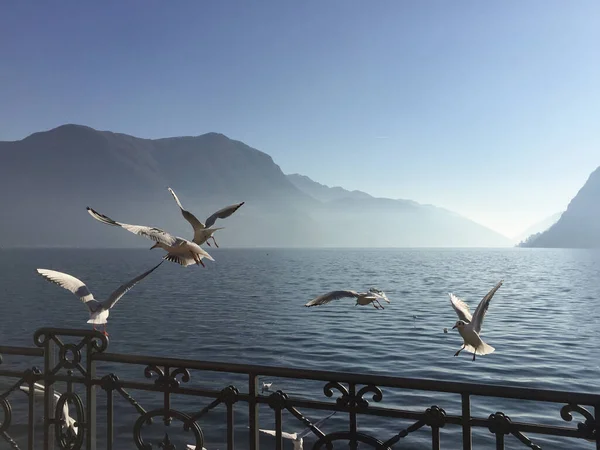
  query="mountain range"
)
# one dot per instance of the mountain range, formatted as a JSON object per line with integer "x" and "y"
{"x": 579, "y": 225}
{"x": 49, "y": 177}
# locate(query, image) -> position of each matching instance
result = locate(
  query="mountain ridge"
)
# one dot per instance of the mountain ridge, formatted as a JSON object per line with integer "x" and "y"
{"x": 55, "y": 174}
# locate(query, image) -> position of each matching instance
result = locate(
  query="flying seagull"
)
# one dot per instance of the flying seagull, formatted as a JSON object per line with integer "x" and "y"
{"x": 298, "y": 438}
{"x": 372, "y": 296}
{"x": 99, "y": 311}
{"x": 469, "y": 326}
{"x": 203, "y": 231}
{"x": 38, "y": 391}
{"x": 266, "y": 386}
{"x": 179, "y": 250}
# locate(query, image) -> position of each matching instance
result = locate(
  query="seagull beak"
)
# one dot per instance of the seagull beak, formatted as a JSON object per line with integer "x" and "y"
{"x": 454, "y": 327}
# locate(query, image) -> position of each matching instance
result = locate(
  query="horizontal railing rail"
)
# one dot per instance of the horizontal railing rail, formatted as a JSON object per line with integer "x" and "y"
{"x": 71, "y": 420}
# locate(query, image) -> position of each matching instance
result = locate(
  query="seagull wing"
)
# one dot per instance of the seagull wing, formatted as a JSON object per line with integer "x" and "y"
{"x": 461, "y": 308}
{"x": 317, "y": 424}
{"x": 284, "y": 435}
{"x": 330, "y": 296}
{"x": 222, "y": 214}
{"x": 378, "y": 294}
{"x": 155, "y": 234}
{"x": 72, "y": 284}
{"x": 122, "y": 290}
{"x": 482, "y": 308}
{"x": 194, "y": 222}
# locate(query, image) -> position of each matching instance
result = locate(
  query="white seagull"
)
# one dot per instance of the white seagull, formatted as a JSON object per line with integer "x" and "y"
{"x": 266, "y": 386}
{"x": 99, "y": 311}
{"x": 203, "y": 231}
{"x": 469, "y": 326}
{"x": 179, "y": 250}
{"x": 38, "y": 391}
{"x": 372, "y": 296}
{"x": 298, "y": 438}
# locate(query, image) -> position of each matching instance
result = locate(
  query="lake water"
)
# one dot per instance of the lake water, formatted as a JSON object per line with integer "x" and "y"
{"x": 247, "y": 307}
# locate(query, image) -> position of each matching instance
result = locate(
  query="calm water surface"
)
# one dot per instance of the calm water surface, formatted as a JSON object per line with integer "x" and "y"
{"x": 247, "y": 307}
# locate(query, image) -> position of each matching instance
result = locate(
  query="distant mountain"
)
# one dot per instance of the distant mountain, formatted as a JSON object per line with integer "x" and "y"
{"x": 371, "y": 221}
{"x": 579, "y": 225}
{"x": 48, "y": 178}
{"x": 537, "y": 228}
{"x": 322, "y": 192}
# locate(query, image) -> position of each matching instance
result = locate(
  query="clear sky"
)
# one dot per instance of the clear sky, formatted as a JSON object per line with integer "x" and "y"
{"x": 490, "y": 109}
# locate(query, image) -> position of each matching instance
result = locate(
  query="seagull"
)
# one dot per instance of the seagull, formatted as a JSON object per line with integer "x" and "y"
{"x": 298, "y": 438}
{"x": 266, "y": 387}
{"x": 99, "y": 311}
{"x": 469, "y": 326}
{"x": 179, "y": 250}
{"x": 372, "y": 296}
{"x": 203, "y": 231}
{"x": 38, "y": 391}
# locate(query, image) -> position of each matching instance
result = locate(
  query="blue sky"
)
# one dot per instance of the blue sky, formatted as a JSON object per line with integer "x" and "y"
{"x": 490, "y": 109}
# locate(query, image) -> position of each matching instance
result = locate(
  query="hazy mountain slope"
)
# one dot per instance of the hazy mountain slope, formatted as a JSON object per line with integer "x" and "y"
{"x": 538, "y": 227}
{"x": 366, "y": 221}
{"x": 579, "y": 225}
{"x": 48, "y": 179}
{"x": 322, "y": 192}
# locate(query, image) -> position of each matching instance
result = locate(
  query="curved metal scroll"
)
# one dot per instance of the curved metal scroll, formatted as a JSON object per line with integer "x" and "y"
{"x": 188, "y": 424}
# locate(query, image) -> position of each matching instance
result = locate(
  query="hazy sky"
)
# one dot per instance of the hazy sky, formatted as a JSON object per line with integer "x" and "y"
{"x": 490, "y": 109}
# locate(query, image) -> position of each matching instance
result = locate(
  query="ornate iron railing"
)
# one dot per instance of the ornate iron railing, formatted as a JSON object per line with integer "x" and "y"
{"x": 77, "y": 365}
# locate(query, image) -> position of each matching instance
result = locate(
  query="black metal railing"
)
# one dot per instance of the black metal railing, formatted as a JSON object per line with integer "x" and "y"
{"x": 90, "y": 391}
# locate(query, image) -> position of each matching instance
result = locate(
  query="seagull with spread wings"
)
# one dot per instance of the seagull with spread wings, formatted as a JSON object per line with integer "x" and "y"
{"x": 372, "y": 296}
{"x": 203, "y": 231}
{"x": 99, "y": 311}
{"x": 469, "y": 326}
{"x": 179, "y": 250}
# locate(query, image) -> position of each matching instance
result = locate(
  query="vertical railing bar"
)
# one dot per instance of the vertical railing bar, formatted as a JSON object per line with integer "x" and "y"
{"x": 230, "y": 445}
{"x": 253, "y": 411}
{"x": 109, "y": 419}
{"x": 91, "y": 397}
{"x": 31, "y": 434}
{"x": 49, "y": 361}
{"x": 499, "y": 441}
{"x": 435, "y": 438}
{"x": 278, "y": 429}
{"x": 466, "y": 421}
{"x": 597, "y": 428}
{"x": 353, "y": 421}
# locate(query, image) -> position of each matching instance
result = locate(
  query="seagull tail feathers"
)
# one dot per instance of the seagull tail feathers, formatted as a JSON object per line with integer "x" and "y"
{"x": 483, "y": 349}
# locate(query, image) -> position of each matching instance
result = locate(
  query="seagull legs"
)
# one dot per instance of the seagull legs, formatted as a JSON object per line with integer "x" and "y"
{"x": 104, "y": 331}
{"x": 375, "y": 303}
{"x": 460, "y": 350}
{"x": 197, "y": 259}
{"x": 473, "y": 356}
{"x": 213, "y": 238}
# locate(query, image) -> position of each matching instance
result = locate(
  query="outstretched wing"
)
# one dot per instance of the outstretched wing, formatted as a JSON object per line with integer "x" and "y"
{"x": 461, "y": 308}
{"x": 284, "y": 435}
{"x": 482, "y": 308}
{"x": 68, "y": 282}
{"x": 222, "y": 214}
{"x": 122, "y": 290}
{"x": 317, "y": 424}
{"x": 155, "y": 234}
{"x": 72, "y": 284}
{"x": 330, "y": 296}
{"x": 379, "y": 294}
{"x": 194, "y": 222}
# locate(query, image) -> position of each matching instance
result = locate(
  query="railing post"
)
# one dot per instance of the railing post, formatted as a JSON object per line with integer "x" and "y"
{"x": 253, "y": 411}
{"x": 49, "y": 363}
{"x": 90, "y": 397}
{"x": 466, "y": 421}
{"x": 597, "y": 428}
